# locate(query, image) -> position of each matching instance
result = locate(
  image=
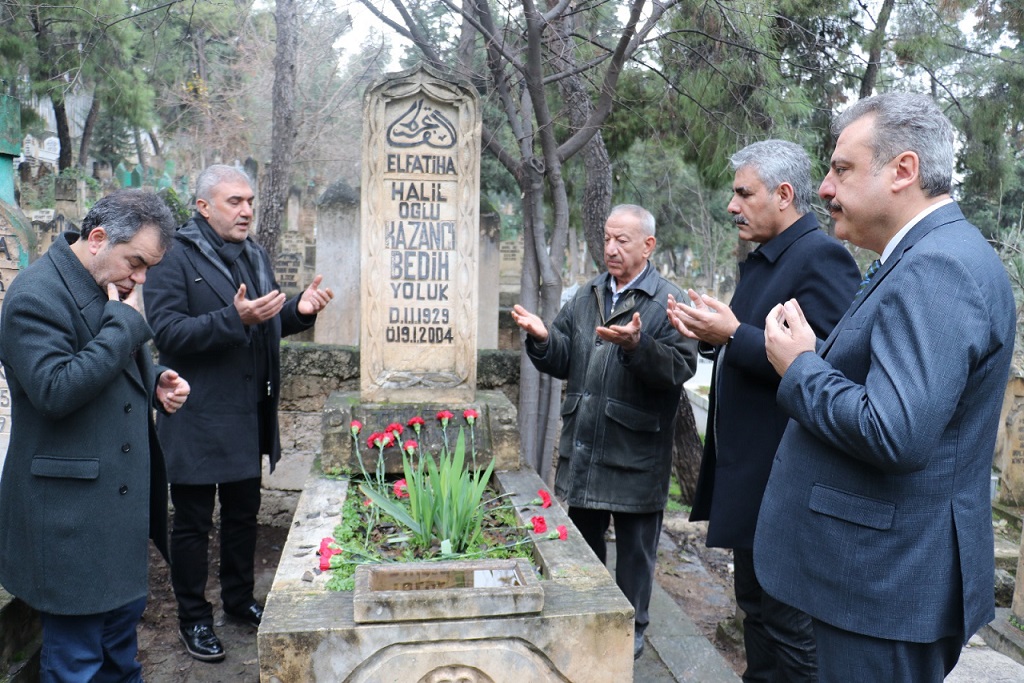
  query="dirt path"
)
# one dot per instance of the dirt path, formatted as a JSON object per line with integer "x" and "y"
{"x": 163, "y": 657}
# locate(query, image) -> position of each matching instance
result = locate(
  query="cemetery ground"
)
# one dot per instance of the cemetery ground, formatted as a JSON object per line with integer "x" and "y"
{"x": 698, "y": 578}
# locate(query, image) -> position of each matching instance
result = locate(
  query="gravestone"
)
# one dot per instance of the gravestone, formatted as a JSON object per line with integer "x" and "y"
{"x": 420, "y": 236}
{"x": 488, "y": 286}
{"x": 338, "y": 257}
{"x": 65, "y": 196}
{"x": 511, "y": 268}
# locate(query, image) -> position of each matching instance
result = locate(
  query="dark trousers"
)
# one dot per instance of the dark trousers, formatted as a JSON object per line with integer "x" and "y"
{"x": 636, "y": 551}
{"x": 846, "y": 656}
{"x": 92, "y": 647}
{"x": 190, "y": 541}
{"x": 779, "y": 639}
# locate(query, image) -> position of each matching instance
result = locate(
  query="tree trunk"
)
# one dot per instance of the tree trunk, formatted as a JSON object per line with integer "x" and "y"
{"x": 275, "y": 194}
{"x": 140, "y": 151}
{"x": 154, "y": 140}
{"x": 867, "y": 83}
{"x": 60, "y": 113}
{"x": 87, "y": 128}
{"x": 597, "y": 193}
{"x": 687, "y": 451}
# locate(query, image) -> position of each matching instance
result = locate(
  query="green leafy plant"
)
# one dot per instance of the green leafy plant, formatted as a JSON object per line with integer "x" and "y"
{"x": 444, "y": 497}
{"x": 440, "y": 509}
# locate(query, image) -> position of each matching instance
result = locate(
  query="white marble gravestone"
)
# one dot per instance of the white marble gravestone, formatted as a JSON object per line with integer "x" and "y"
{"x": 420, "y": 237}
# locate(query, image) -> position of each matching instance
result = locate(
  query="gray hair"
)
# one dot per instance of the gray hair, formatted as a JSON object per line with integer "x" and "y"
{"x": 642, "y": 215}
{"x": 214, "y": 175}
{"x": 777, "y": 162}
{"x": 907, "y": 122}
{"x": 123, "y": 213}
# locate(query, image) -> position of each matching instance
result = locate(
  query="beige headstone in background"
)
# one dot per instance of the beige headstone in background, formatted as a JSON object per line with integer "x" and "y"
{"x": 338, "y": 258}
{"x": 419, "y": 238}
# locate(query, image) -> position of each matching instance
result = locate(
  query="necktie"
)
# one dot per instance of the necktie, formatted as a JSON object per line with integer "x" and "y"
{"x": 872, "y": 269}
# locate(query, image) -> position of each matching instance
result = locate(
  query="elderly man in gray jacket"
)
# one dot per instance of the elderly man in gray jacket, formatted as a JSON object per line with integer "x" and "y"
{"x": 625, "y": 367}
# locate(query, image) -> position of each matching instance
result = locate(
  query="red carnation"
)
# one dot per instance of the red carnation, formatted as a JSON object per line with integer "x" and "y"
{"x": 540, "y": 525}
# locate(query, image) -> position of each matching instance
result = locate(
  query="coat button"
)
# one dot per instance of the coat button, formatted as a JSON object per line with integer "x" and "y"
{"x": 127, "y": 407}
{"x": 125, "y": 447}
{"x": 598, "y": 342}
{"x": 123, "y": 490}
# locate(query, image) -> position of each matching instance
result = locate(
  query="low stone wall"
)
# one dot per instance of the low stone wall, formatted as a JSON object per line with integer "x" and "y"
{"x": 309, "y": 374}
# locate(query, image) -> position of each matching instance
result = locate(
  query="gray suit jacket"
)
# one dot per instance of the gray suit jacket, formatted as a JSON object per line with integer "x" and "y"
{"x": 75, "y": 503}
{"x": 877, "y": 517}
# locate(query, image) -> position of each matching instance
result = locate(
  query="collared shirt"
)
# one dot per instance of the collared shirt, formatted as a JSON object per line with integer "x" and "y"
{"x": 898, "y": 237}
{"x": 616, "y": 292}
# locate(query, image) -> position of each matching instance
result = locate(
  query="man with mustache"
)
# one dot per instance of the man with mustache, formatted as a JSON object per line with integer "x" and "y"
{"x": 217, "y": 311}
{"x": 876, "y": 520}
{"x": 771, "y": 205}
{"x": 625, "y": 367}
{"x": 83, "y": 486}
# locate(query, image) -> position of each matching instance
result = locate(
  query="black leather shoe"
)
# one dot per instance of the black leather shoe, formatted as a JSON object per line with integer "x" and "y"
{"x": 202, "y": 643}
{"x": 252, "y": 615}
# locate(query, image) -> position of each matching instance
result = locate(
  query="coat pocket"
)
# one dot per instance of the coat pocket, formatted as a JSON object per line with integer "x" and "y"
{"x": 851, "y": 507}
{"x": 632, "y": 418}
{"x": 630, "y": 438}
{"x": 65, "y": 468}
{"x": 572, "y": 401}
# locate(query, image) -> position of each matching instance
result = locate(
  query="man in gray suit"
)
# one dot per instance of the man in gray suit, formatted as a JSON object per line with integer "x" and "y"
{"x": 83, "y": 485}
{"x": 876, "y": 520}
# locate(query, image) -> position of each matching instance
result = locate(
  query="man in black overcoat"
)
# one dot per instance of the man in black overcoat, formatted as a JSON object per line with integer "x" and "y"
{"x": 771, "y": 205}
{"x": 216, "y": 310}
{"x": 83, "y": 484}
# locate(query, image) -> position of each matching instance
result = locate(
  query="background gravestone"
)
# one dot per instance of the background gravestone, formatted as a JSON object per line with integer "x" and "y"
{"x": 420, "y": 237}
{"x": 337, "y": 257}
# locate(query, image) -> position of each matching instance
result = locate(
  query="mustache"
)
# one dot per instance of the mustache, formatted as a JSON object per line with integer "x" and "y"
{"x": 832, "y": 206}
{"x": 740, "y": 220}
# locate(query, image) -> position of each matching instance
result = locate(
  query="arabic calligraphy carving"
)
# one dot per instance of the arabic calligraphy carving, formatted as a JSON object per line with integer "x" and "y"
{"x": 421, "y": 125}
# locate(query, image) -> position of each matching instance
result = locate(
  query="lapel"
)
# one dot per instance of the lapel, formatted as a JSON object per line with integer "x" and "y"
{"x": 87, "y": 295}
{"x": 207, "y": 264}
{"x": 218, "y": 279}
{"x": 949, "y": 213}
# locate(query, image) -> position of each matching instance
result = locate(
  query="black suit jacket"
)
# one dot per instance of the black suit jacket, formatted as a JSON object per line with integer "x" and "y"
{"x": 744, "y": 423}
{"x": 214, "y": 438}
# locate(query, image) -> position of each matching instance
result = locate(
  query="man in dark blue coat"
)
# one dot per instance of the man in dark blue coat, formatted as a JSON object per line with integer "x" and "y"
{"x": 771, "y": 205}
{"x": 83, "y": 485}
{"x": 216, "y": 310}
{"x": 877, "y": 519}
